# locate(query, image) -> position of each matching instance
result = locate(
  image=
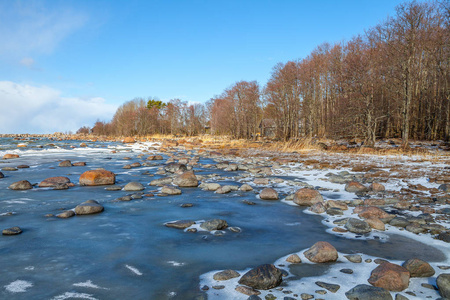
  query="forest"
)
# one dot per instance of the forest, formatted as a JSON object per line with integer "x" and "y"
{"x": 392, "y": 81}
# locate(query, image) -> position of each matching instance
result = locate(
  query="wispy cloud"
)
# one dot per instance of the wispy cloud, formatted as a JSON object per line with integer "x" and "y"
{"x": 29, "y": 27}
{"x": 42, "y": 109}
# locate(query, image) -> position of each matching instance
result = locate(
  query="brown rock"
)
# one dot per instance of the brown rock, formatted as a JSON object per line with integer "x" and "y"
{"x": 294, "y": 259}
{"x": 21, "y": 185}
{"x": 268, "y": 194}
{"x": 317, "y": 208}
{"x": 376, "y": 223}
{"x": 371, "y": 212}
{"x": 307, "y": 197}
{"x": 97, "y": 177}
{"x": 355, "y": 187}
{"x": 337, "y": 204}
{"x": 54, "y": 181}
{"x": 66, "y": 214}
{"x": 88, "y": 208}
{"x": 129, "y": 140}
{"x": 79, "y": 164}
{"x": 390, "y": 276}
{"x": 181, "y": 224}
{"x": 65, "y": 163}
{"x": 10, "y": 156}
{"x": 225, "y": 275}
{"x": 321, "y": 252}
{"x": 377, "y": 187}
{"x": 187, "y": 179}
{"x": 263, "y": 277}
{"x": 247, "y": 290}
{"x": 418, "y": 268}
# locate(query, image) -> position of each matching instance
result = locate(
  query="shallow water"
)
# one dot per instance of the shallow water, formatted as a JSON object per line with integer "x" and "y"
{"x": 126, "y": 251}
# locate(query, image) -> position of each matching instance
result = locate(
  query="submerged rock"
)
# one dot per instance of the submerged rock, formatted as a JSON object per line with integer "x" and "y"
{"x": 321, "y": 252}
{"x": 307, "y": 197}
{"x": 368, "y": 292}
{"x": 390, "y": 276}
{"x": 97, "y": 177}
{"x": 263, "y": 277}
{"x": 21, "y": 185}
{"x": 89, "y": 207}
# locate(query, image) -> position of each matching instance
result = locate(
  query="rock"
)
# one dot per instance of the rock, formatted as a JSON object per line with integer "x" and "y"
{"x": 390, "y": 276}
{"x": 9, "y": 169}
{"x": 367, "y": 292}
{"x": 247, "y": 291}
{"x": 306, "y": 296}
{"x": 444, "y": 236}
{"x": 415, "y": 228}
{"x": 268, "y": 194}
{"x": 321, "y": 252}
{"x": 355, "y": 187}
{"x": 334, "y": 211}
{"x": 367, "y": 212}
{"x": 399, "y": 222}
{"x": 354, "y": 258}
{"x": 135, "y": 165}
{"x": 79, "y": 164}
{"x": 443, "y": 283}
{"x": 97, "y": 177}
{"x": 223, "y": 189}
{"x": 12, "y": 231}
{"x": 357, "y": 226}
{"x": 376, "y": 223}
{"x": 161, "y": 181}
{"x": 54, "y": 181}
{"x": 63, "y": 186}
{"x": 1, "y": 175}
{"x": 263, "y": 277}
{"x": 294, "y": 259}
{"x": 155, "y": 157}
{"x": 346, "y": 271}
{"x": 175, "y": 168}
{"x": 129, "y": 140}
{"x": 181, "y": 224}
{"x": 170, "y": 190}
{"x": 187, "y": 179}
{"x": 377, "y": 187}
{"x": 83, "y": 145}
{"x": 214, "y": 224}
{"x": 210, "y": 186}
{"x": 261, "y": 181}
{"x": 89, "y": 207}
{"x": 317, "y": 208}
{"x": 418, "y": 268}
{"x": 133, "y": 186}
{"x": 225, "y": 275}
{"x": 307, "y": 197}
{"x": 184, "y": 205}
{"x": 246, "y": 188}
{"x": 21, "y": 185}
{"x": 114, "y": 188}
{"x": 10, "y": 156}
{"x": 23, "y": 167}
{"x": 66, "y": 214}
{"x": 328, "y": 286}
{"x": 336, "y": 204}
{"x": 65, "y": 163}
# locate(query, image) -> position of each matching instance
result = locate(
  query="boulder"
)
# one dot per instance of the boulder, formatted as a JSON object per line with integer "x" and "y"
{"x": 377, "y": 187}
{"x": 418, "y": 268}
{"x": 249, "y": 292}
{"x": 317, "y": 208}
{"x": 354, "y": 258}
{"x": 225, "y": 275}
{"x": 263, "y": 277}
{"x": 129, "y": 140}
{"x": 66, "y": 214}
{"x": 1, "y": 175}
{"x": 133, "y": 186}
{"x": 268, "y": 194}
{"x": 65, "y": 163}
{"x": 175, "y": 168}
{"x": 307, "y": 197}
{"x": 180, "y": 224}
{"x": 161, "y": 181}
{"x": 294, "y": 259}
{"x": 10, "y": 156}
{"x": 155, "y": 157}
{"x": 355, "y": 187}
{"x": 97, "y": 177}
{"x": 261, "y": 181}
{"x": 224, "y": 189}
{"x": 187, "y": 179}
{"x": 210, "y": 186}
{"x": 214, "y": 224}
{"x": 88, "y": 208}
{"x": 368, "y": 292}
{"x": 443, "y": 283}
{"x": 321, "y": 252}
{"x": 328, "y": 286}
{"x": 12, "y": 231}
{"x": 21, "y": 185}
{"x": 390, "y": 276}
{"x": 54, "y": 181}
{"x": 79, "y": 164}
{"x": 367, "y": 212}
{"x": 399, "y": 222}
{"x": 170, "y": 190}
{"x": 246, "y": 188}
{"x": 376, "y": 223}
{"x": 357, "y": 226}
{"x": 337, "y": 204}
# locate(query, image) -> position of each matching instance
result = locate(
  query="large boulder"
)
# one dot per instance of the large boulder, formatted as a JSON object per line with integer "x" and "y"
{"x": 88, "y": 208}
{"x": 357, "y": 226}
{"x": 268, "y": 194}
{"x": 187, "y": 179}
{"x": 214, "y": 224}
{"x": 443, "y": 283}
{"x": 418, "y": 268}
{"x": 133, "y": 186}
{"x": 368, "y": 292}
{"x": 263, "y": 277}
{"x": 54, "y": 181}
{"x": 355, "y": 187}
{"x": 321, "y": 252}
{"x": 21, "y": 185}
{"x": 307, "y": 197}
{"x": 390, "y": 276}
{"x": 97, "y": 177}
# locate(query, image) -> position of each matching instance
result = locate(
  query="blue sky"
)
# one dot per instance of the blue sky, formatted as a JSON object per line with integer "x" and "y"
{"x": 66, "y": 63}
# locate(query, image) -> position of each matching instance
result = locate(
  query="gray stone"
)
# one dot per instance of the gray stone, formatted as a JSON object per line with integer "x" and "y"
{"x": 399, "y": 222}
{"x": 354, "y": 258}
{"x": 225, "y": 275}
{"x": 180, "y": 224}
{"x": 328, "y": 286}
{"x": 161, "y": 181}
{"x": 357, "y": 226}
{"x": 214, "y": 224}
{"x": 12, "y": 231}
{"x": 418, "y": 268}
{"x": 443, "y": 283}
{"x": 170, "y": 190}
{"x": 246, "y": 188}
{"x": 21, "y": 185}
{"x": 268, "y": 194}
{"x": 66, "y": 214}
{"x": 89, "y": 207}
{"x": 65, "y": 163}
{"x": 263, "y": 277}
{"x": 368, "y": 292}
{"x": 133, "y": 186}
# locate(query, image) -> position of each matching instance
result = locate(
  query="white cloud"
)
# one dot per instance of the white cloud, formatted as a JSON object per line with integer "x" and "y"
{"x": 30, "y": 27}
{"x": 27, "y": 62}
{"x": 31, "y": 109}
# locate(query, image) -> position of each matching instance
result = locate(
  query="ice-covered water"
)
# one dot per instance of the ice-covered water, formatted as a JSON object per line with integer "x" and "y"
{"x": 126, "y": 252}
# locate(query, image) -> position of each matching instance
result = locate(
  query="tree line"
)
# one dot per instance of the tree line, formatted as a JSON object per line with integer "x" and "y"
{"x": 393, "y": 81}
